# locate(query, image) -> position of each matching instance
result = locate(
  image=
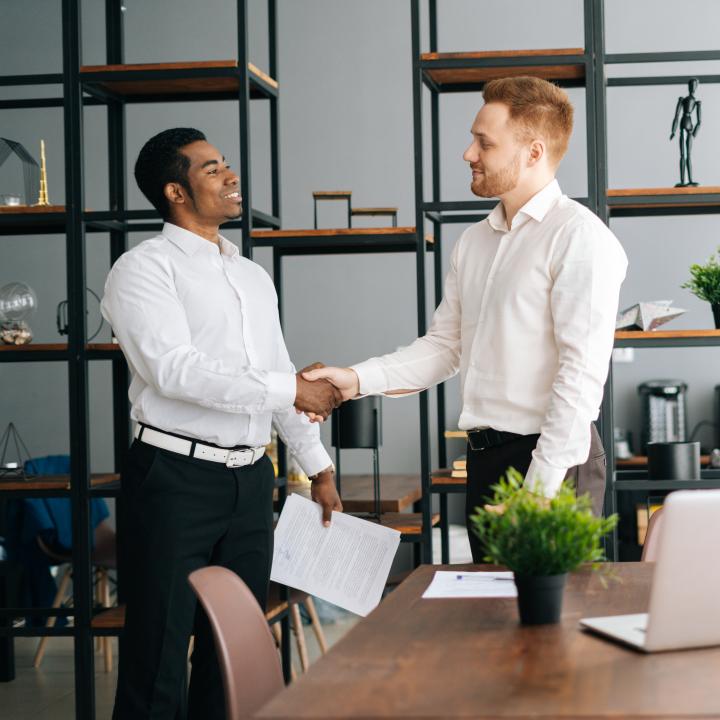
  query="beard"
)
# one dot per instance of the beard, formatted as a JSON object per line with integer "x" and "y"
{"x": 494, "y": 184}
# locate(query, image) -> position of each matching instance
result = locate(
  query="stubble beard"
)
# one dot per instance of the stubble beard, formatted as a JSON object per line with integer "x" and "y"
{"x": 497, "y": 183}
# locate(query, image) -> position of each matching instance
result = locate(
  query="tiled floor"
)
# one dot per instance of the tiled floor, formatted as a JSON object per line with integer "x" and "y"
{"x": 48, "y": 693}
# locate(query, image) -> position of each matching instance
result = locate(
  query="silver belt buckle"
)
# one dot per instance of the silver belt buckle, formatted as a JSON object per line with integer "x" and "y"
{"x": 236, "y": 458}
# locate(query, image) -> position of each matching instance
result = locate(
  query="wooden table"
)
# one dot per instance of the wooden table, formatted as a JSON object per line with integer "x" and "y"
{"x": 414, "y": 658}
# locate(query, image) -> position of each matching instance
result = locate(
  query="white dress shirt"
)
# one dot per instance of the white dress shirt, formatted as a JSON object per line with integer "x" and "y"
{"x": 199, "y": 326}
{"x": 527, "y": 318}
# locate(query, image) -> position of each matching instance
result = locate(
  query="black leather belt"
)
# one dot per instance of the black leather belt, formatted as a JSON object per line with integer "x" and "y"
{"x": 489, "y": 438}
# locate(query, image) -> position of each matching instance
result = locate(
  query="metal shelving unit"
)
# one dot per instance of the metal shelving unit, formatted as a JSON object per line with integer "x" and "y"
{"x": 645, "y": 202}
{"x": 115, "y": 86}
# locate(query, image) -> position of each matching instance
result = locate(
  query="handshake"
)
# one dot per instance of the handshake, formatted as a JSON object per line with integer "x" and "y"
{"x": 321, "y": 389}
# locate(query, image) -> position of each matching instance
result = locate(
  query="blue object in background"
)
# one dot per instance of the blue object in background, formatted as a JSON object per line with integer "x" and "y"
{"x": 51, "y": 519}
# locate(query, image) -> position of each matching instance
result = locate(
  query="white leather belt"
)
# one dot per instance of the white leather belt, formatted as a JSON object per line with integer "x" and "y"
{"x": 182, "y": 446}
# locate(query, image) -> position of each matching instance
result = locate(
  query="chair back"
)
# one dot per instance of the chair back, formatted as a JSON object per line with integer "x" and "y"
{"x": 246, "y": 651}
{"x": 652, "y": 537}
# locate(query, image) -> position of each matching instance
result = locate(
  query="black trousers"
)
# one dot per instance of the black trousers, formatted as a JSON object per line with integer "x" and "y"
{"x": 182, "y": 514}
{"x": 486, "y": 467}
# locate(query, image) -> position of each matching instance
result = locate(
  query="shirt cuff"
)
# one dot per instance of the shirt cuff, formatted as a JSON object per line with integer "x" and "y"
{"x": 281, "y": 391}
{"x": 314, "y": 460}
{"x": 371, "y": 375}
{"x": 543, "y": 479}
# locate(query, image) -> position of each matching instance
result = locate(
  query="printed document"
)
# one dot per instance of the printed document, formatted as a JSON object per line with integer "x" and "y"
{"x": 449, "y": 584}
{"x": 346, "y": 564}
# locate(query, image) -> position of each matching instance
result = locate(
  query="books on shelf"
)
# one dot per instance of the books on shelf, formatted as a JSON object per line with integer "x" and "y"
{"x": 459, "y": 468}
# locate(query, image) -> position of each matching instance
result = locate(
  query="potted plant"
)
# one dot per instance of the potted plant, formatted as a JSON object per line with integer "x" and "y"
{"x": 705, "y": 283}
{"x": 541, "y": 541}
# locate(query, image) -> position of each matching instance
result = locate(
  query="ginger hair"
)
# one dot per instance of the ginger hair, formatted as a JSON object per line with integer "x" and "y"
{"x": 538, "y": 109}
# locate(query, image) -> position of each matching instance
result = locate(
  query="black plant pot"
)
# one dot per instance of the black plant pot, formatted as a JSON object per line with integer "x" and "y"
{"x": 716, "y": 314}
{"x": 540, "y": 598}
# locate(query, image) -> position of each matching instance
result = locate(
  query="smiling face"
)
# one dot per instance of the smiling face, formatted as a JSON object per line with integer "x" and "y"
{"x": 215, "y": 189}
{"x": 495, "y": 155}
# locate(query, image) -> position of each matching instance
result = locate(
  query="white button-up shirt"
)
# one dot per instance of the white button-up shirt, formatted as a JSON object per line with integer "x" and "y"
{"x": 199, "y": 327}
{"x": 528, "y": 319}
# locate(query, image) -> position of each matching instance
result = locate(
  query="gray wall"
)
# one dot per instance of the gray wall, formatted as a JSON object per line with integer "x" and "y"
{"x": 346, "y": 122}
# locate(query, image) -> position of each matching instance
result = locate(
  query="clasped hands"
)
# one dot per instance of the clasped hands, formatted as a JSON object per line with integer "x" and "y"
{"x": 321, "y": 389}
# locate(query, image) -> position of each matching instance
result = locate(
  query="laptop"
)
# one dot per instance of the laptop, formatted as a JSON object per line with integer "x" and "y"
{"x": 683, "y": 610}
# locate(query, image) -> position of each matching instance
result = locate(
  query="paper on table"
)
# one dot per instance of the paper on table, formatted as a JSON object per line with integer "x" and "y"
{"x": 449, "y": 584}
{"x": 346, "y": 564}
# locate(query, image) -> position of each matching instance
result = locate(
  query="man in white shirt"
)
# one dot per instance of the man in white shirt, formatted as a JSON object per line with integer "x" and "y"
{"x": 528, "y": 313}
{"x": 199, "y": 327}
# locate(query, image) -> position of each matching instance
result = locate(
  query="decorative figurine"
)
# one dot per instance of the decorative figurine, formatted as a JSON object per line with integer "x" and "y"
{"x": 43, "y": 196}
{"x": 683, "y": 116}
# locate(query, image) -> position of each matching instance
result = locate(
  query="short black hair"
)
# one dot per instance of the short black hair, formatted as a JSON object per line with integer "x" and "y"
{"x": 160, "y": 162}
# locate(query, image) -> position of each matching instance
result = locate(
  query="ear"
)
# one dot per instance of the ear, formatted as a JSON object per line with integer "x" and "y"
{"x": 174, "y": 193}
{"x": 536, "y": 153}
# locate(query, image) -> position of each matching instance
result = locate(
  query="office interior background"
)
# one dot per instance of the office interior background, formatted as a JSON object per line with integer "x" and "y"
{"x": 346, "y": 123}
{"x": 344, "y": 70}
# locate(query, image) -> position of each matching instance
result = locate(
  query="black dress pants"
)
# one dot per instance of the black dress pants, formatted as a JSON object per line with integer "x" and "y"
{"x": 182, "y": 514}
{"x": 486, "y": 467}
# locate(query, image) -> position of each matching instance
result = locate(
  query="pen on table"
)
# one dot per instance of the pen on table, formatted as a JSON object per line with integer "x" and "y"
{"x": 460, "y": 577}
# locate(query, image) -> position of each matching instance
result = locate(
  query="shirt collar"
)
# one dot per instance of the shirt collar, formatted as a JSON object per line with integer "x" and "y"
{"x": 190, "y": 243}
{"x": 536, "y": 207}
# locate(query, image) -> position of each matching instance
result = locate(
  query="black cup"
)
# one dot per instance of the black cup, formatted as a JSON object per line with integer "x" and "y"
{"x": 673, "y": 460}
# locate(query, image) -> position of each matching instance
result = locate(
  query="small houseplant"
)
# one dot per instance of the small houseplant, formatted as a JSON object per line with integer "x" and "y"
{"x": 705, "y": 283}
{"x": 541, "y": 541}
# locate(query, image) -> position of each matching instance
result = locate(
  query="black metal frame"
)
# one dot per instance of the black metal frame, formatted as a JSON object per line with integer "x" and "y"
{"x": 80, "y": 90}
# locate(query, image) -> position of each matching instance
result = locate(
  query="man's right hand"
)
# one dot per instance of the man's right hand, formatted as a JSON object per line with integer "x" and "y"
{"x": 317, "y": 399}
{"x": 344, "y": 379}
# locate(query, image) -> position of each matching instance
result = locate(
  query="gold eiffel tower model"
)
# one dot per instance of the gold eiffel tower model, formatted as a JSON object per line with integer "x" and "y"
{"x": 43, "y": 197}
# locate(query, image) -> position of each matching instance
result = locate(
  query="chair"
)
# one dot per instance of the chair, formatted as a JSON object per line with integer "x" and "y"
{"x": 296, "y": 598}
{"x": 652, "y": 537}
{"x": 246, "y": 651}
{"x": 103, "y": 558}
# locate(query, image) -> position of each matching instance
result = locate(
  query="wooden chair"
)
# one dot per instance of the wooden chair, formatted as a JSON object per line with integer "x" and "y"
{"x": 103, "y": 559}
{"x": 652, "y": 537}
{"x": 296, "y": 599}
{"x": 246, "y": 651}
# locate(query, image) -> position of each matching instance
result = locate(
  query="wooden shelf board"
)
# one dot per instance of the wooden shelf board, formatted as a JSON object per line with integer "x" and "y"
{"x": 56, "y": 482}
{"x": 331, "y": 232}
{"x": 665, "y": 334}
{"x": 38, "y": 347}
{"x": 444, "y": 76}
{"x": 444, "y": 477}
{"x": 493, "y": 54}
{"x": 30, "y": 209}
{"x": 55, "y": 347}
{"x": 407, "y": 523}
{"x": 653, "y": 192}
{"x": 639, "y": 461}
{"x": 332, "y": 194}
{"x": 374, "y": 211}
{"x": 126, "y": 85}
{"x": 328, "y": 240}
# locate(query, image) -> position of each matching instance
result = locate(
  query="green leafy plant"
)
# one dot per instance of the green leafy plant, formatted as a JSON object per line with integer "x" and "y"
{"x": 538, "y": 537}
{"x": 705, "y": 280}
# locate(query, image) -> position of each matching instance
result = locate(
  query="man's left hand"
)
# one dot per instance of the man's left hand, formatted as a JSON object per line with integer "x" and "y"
{"x": 323, "y": 491}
